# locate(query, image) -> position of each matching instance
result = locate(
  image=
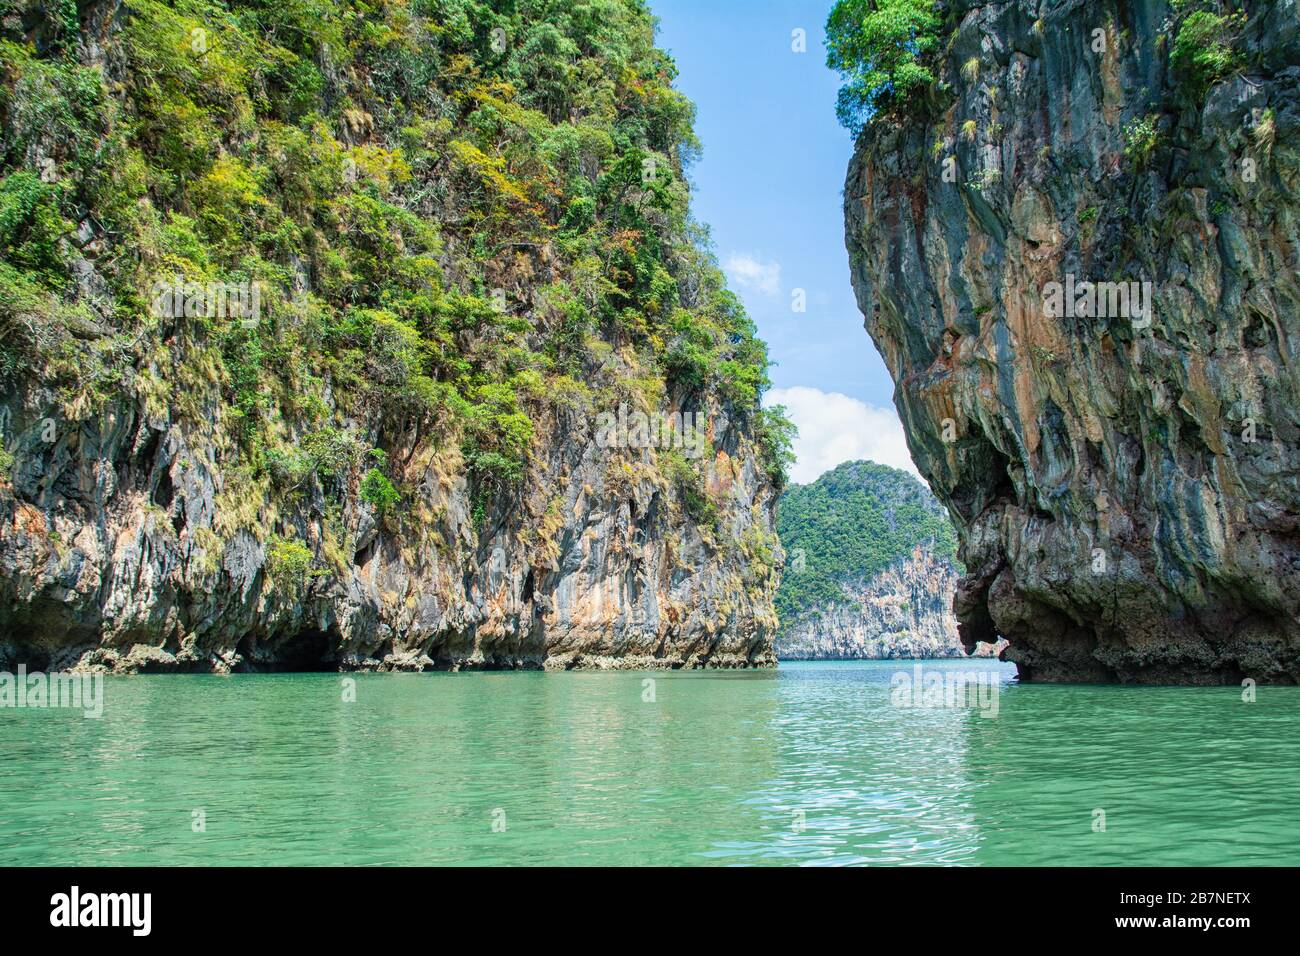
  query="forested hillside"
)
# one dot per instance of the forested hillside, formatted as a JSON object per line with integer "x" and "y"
{"x": 870, "y": 569}
{"x": 850, "y": 524}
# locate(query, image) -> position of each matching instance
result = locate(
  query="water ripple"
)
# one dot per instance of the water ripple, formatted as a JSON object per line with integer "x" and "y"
{"x": 808, "y": 766}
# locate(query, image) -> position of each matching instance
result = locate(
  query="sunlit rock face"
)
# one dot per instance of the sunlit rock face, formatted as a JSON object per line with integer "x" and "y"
{"x": 1125, "y": 481}
{"x": 593, "y": 564}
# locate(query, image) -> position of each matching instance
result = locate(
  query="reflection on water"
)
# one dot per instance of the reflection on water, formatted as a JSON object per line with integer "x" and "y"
{"x": 810, "y": 764}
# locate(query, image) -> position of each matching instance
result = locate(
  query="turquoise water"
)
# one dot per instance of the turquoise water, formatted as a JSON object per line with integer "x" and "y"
{"x": 806, "y": 765}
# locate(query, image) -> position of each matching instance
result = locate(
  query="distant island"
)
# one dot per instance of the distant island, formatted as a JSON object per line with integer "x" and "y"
{"x": 870, "y": 569}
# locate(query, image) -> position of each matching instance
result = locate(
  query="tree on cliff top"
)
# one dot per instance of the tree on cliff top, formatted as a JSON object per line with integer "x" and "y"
{"x": 884, "y": 50}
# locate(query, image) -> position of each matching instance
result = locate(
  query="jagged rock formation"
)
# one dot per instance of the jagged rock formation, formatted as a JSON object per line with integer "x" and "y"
{"x": 1125, "y": 484}
{"x": 869, "y": 570}
{"x": 470, "y": 237}
{"x": 592, "y": 567}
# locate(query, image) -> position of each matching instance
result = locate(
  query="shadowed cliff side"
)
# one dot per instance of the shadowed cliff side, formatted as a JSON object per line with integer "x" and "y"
{"x": 1120, "y": 459}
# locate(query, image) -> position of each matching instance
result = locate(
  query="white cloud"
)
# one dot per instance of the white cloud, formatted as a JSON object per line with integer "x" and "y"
{"x": 835, "y": 428}
{"x": 753, "y": 275}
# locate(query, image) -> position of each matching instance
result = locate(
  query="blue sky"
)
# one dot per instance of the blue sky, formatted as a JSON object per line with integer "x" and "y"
{"x": 770, "y": 187}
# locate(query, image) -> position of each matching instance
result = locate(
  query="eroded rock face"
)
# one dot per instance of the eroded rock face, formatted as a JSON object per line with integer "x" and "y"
{"x": 114, "y": 554}
{"x": 1126, "y": 486}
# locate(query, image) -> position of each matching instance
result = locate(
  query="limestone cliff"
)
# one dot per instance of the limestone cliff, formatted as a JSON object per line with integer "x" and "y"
{"x": 428, "y": 424}
{"x": 1122, "y": 462}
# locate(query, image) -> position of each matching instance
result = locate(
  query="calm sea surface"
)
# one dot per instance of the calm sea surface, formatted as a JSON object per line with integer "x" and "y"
{"x": 806, "y": 765}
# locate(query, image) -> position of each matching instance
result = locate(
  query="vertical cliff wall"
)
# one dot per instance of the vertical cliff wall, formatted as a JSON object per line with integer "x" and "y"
{"x": 1078, "y": 257}
{"x": 368, "y": 336}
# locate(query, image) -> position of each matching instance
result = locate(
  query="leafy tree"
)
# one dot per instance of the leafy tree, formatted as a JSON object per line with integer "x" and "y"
{"x": 378, "y": 490}
{"x": 30, "y": 226}
{"x": 777, "y": 433}
{"x": 289, "y": 564}
{"x": 1203, "y": 51}
{"x": 885, "y": 51}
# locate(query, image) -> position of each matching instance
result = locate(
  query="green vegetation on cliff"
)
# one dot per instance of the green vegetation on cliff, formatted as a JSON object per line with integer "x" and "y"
{"x": 1203, "y": 50}
{"x": 849, "y": 525}
{"x": 886, "y": 51}
{"x": 455, "y": 213}
{"x": 891, "y": 53}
